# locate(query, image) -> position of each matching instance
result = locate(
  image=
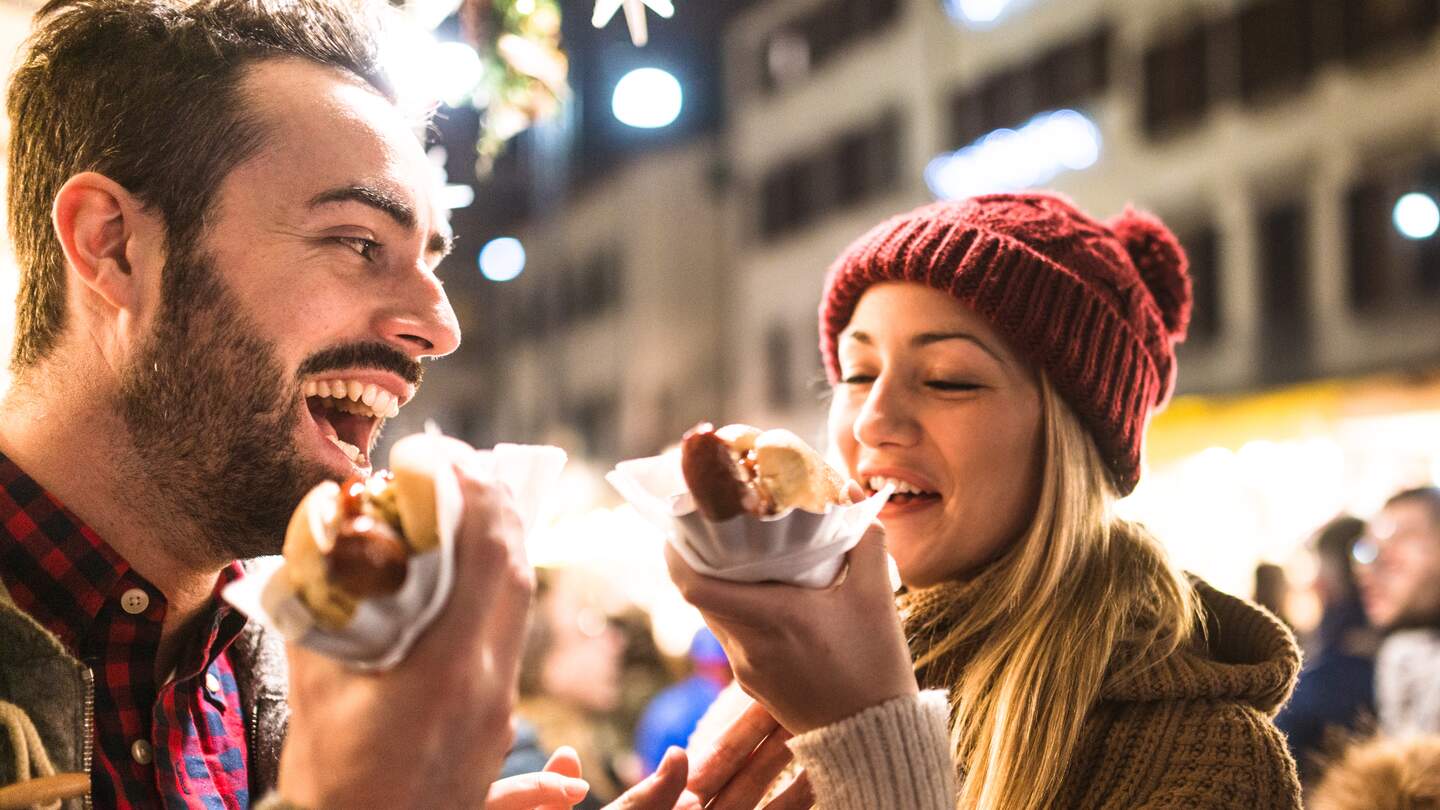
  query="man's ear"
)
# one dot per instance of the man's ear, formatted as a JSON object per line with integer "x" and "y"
{"x": 97, "y": 221}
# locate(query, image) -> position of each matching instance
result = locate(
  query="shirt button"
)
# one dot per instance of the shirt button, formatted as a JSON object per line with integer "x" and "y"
{"x": 142, "y": 752}
{"x": 134, "y": 601}
{"x": 212, "y": 684}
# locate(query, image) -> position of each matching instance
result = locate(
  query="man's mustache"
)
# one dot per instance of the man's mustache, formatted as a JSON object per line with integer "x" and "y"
{"x": 370, "y": 354}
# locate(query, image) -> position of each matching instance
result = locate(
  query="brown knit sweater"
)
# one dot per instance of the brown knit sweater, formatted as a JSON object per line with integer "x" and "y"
{"x": 1192, "y": 732}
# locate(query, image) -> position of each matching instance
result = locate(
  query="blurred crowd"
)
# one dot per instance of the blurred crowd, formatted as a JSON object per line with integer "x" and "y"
{"x": 1363, "y": 722}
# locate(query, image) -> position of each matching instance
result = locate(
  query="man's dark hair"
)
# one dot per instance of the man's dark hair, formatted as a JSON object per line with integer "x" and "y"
{"x": 1427, "y": 496}
{"x": 147, "y": 93}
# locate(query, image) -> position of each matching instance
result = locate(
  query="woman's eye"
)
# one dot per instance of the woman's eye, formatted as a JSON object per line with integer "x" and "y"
{"x": 363, "y": 247}
{"x": 858, "y": 379}
{"x": 950, "y": 385}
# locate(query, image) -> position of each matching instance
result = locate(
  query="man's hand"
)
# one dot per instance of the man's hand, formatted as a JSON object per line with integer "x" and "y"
{"x": 733, "y": 774}
{"x": 432, "y": 731}
{"x": 557, "y": 787}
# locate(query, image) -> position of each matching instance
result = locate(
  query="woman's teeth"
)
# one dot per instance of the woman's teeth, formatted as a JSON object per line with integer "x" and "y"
{"x": 354, "y": 397}
{"x": 349, "y": 449}
{"x": 879, "y": 482}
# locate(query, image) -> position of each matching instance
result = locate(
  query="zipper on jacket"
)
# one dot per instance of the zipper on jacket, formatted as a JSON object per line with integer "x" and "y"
{"x": 88, "y": 747}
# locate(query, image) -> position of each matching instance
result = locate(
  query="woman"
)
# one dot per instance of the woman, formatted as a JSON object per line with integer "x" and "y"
{"x": 1001, "y": 357}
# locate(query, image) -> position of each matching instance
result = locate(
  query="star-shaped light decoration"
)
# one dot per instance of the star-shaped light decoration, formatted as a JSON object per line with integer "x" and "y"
{"x": 634, "y": 16}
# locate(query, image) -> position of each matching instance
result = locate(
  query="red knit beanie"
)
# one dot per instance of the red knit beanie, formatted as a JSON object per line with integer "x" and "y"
{"x": 1099, "y": 307}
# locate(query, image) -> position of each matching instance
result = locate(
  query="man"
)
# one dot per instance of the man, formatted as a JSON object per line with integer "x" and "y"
{"x": 216, "y": 208}
{"x": 1399, "y": 578}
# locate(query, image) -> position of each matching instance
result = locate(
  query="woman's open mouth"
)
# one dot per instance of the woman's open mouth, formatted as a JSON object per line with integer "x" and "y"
{"x": 349, "y": 414}
{"x": 906, "y": 493}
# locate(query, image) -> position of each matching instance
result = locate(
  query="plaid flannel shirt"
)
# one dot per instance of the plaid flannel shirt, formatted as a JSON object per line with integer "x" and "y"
{"x": 178, "y": 743}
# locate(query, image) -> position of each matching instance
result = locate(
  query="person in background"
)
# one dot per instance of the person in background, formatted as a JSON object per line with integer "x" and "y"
{"x": 1271, "y": 590}
{"x": 569, "y": 683}
{"x": 1399, "y": 578}
{"x": 672, "y": 716}
{"x": 1335, "y": 693}
{"x": 1382, "y": 774}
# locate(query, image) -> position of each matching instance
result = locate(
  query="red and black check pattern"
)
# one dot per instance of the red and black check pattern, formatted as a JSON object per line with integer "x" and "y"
{"x": 67, "y": 578}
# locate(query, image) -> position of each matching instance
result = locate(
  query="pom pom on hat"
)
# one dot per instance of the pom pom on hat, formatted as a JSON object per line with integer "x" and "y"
{"x": 1162, "y": 265}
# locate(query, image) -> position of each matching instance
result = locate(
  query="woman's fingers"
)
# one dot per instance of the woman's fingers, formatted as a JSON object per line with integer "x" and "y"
{"x": 741, "y": 603}
{"x": 796, "y": 795}
{"x": 745, "y": 790}
{"x": 731, "y": 750}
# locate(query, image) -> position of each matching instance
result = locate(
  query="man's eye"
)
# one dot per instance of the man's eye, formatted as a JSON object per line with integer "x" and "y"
{"x": 364, "y": 247}
{"x": 950, "y": 385}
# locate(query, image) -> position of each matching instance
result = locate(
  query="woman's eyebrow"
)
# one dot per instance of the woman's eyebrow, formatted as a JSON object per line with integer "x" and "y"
{"x": 931, "y": 338}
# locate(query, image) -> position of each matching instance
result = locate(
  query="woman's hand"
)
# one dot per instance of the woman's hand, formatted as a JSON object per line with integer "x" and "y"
{"x": 811, "y": 657}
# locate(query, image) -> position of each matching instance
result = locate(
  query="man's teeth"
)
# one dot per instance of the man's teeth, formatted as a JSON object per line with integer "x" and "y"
{"x": 879, "y": 482}
{"x": 352, "y": 396}
{"x": 350, "y": 450}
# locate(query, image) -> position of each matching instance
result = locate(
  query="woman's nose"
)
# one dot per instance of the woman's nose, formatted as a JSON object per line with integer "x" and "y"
{"x": 886, "y": 417}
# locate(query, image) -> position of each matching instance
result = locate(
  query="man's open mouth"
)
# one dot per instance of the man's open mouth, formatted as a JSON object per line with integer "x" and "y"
{"x": 349, "y": 413}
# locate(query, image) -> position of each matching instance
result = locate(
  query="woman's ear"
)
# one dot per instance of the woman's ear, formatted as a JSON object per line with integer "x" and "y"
{"x": 97, "y": 221}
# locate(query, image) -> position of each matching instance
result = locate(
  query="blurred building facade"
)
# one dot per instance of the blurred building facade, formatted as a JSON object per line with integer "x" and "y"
{"x": 1275, "y": 136}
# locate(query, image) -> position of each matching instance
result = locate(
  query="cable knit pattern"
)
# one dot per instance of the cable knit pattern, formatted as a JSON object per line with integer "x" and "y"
{"x": 889, "y": 757}
{"x": 1063, "y": 288}
{"x": 1194, "y": 731}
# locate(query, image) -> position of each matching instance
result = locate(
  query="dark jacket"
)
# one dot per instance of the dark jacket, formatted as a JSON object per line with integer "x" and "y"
{"x": 56, "y": 692}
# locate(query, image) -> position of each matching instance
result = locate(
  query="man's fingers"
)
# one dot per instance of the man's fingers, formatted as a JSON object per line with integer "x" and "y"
{"x": 748, "y": 787}
{"x": 660, "y": 790}
{"x": 531, "y": 790}
{"x": 731, "y": 750}
{"x": 564, "y": 762}
{"x": 796, "y": 795}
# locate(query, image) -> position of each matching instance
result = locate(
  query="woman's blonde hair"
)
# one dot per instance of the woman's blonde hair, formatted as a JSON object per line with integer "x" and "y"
{"x": 1081, "y": 593}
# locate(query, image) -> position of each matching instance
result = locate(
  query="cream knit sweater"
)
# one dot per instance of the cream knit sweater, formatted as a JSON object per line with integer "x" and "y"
{"x": 1194, "y": 732}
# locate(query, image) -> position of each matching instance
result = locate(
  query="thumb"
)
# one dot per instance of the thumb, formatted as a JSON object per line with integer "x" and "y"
{"x": 662, "y": 789}
{"x": 868, "y": 561}
{"x": 532, "y": 790}
{"x": 564, "y": 762}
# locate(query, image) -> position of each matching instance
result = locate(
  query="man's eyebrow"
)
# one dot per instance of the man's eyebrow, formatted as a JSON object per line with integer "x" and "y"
{"x": 383, "y": 200}
{"x": 388, "y": 203}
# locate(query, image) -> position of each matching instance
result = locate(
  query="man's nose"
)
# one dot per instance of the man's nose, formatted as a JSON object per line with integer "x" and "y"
{"x": 421, "y": 322}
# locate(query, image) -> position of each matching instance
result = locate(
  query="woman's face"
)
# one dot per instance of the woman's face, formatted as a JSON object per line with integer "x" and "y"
{"x": 933, "y": 400}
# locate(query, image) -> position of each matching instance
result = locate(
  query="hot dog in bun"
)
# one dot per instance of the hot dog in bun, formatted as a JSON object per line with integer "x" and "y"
{"x": 739, "y": 469}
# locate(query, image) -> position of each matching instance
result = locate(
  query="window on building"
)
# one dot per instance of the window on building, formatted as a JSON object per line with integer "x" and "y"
{"x": 1202, "y": 247}
{"x": 1066, "y": 75}
{"x": 779, "y": 367}
{"x": 1277, "y": 54}
{"x": 1174, "y": 77}
{"x": 1284, "y": 291}
{"x": 1391, "y": 262}
{"x": 1074, "y": 71}
{"x": 855, "y": 167}
{"x": 1371, "y": 27}
{"x": 805, "y": 44}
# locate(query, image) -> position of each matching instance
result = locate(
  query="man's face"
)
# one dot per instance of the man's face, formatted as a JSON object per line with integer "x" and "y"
{"x": 1401, "y": 586}
{"x": 296, "y": 325}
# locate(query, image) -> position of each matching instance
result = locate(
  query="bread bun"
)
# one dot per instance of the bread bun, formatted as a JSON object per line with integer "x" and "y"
{"x": 794, "y": 475}
{"x": 308, "y": 539}
{"x": 740, "y": 469}
{"x": 413, "y": 488}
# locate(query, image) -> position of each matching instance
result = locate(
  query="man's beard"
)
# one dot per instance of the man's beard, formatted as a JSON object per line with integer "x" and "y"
{"x": 213, "y": 421}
